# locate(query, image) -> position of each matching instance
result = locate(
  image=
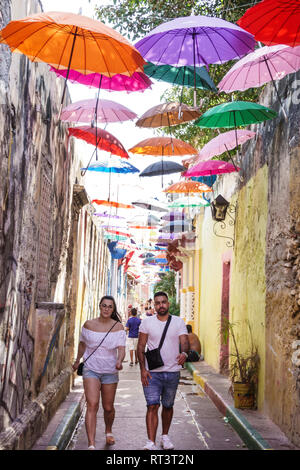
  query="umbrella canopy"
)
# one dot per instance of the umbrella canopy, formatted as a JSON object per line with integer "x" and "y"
{"x": 162, "y": 168}
{"x": 104, "y": 139}
{"x": 118, "y": 232}
{"x": 70, "y": 41}
{"x": 211, "y": 167}
{"x": 150, "y": 204}
{"x": 163, "y": 146}
{"x": 234, "y": 114}
{"x": 189, "y": 201}
{"x": 105, "y": 111}
{"x": 195, "y": 41}
{"x": 104, "y": 214}
{"x": 176, "y": 226}
{"x": 185, "y": 76}
{"x": 260, "y": 67}
{"x": 173, "y": 215}
{"x": 209, "y": 180}
{"x": 274, "y": 22}
{"x": 167, "y": 114}
{"x": 222, "y": 143}
{"x": 112, "y": 204}
{"x": 137, "y": 82}
{"x": 112, "y": 164}
{"x": 168, "y": 237}
{"x": 188, "y": 187}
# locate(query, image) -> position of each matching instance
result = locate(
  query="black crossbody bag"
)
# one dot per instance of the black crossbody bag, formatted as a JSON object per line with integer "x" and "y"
{"x": 80, "y": 367}
{"x": 153, "y": 357}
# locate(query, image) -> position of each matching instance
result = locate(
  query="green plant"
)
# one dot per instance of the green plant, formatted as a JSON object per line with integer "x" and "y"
{"x": 244, "y": 367}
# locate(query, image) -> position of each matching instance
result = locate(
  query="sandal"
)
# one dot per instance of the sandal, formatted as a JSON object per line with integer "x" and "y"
{"x": 91, "y": 448}
{"x": 110, "y": 441}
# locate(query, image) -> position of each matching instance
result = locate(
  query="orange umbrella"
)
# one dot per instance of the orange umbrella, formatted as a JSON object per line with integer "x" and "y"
{"x": 188, "y": 187}
{"x": 163, "y": 146}
{"x": 112, "y": 204}
{"x": 70, "y": 41}
{"x": 73, "y": 42}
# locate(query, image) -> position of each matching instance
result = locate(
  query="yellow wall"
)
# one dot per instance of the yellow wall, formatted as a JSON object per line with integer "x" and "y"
{"x": 248, "y": 284}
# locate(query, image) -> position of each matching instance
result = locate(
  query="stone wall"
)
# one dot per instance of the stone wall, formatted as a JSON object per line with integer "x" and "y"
{"x": 278, "y": 147}
{"x": 37, "y": 223}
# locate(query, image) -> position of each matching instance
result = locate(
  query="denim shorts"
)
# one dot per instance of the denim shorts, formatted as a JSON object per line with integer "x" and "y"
{"x": 104, "y": 378}
{"x": 162, "y": 387}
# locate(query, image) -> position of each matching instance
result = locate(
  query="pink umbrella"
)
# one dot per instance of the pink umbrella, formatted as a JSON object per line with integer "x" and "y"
{"x": 211, "y": 167}
{"x": 220, "y": 144}
{"x": 87, "y": 111}
{"x": 262, "y": 66}
{"x": 137, "y": 82}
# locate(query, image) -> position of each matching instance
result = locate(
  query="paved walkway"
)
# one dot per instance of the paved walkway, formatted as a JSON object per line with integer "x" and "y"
{"x": 202, "y": 421}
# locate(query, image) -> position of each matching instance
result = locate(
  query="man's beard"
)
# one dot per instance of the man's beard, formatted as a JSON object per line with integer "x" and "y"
{"x": 163, "y": 312}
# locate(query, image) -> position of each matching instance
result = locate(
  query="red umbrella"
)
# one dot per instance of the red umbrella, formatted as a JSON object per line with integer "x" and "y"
{"x": 117, "y": 232}
{"x": 105, "y": 140}
{"x": 274, "y": 22}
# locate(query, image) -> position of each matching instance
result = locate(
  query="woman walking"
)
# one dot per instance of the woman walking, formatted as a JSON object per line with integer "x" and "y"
{"x": 101, "y": 366}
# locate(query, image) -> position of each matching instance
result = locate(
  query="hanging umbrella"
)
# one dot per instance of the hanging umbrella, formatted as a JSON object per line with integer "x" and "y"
{"x": 188, "y": 187}
{"x": 150, "y": 204}
{"x": 195, "y": 41}
{"x": 274, "y": 22}
{"x": 220, "y": 144}
{"x": 137, "y": 82}
{"x": 104, "y": 214}
{"x": 118, "y": 232}
{"x": 210, "y": 167}
{"x": 112, "y": 164}
{"x": 176, "y": 226}
{"x": 173, "y": 215}
{"x": 107, "y": 111}
{"x": 184, "y": 76}
{"x": 235, "y": 114}
{"x": 189, "y": 201}
{"x": 120, "y": 205}
{"x": 73, "y": 42}
{"x": 167, "y": 114}
{"x": 105, "y": 140}
{"x": 264, "y": 65}
{"x": 162, "y": 168}
{"x": 169, "y": 237}
{"x": 209, "y": 180}
{"x": 112, "y": 236}
{"x": 163, "y": 146}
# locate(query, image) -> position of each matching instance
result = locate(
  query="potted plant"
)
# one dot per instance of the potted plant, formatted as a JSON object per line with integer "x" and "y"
{"x": 243, "y": 370}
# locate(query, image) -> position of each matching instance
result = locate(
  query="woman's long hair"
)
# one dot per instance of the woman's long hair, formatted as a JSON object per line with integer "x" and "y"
{"x": 115, "y": 316}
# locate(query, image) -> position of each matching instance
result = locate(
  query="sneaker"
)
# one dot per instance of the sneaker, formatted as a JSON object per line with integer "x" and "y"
{"x": 166, "y": 443}
{"x": 150, "y": 445}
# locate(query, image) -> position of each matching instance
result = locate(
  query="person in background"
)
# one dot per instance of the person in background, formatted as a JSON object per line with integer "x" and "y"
{"x": 132, "y": 326}
{"x": 100, "y": 370}
{"x": 195, "y": 345}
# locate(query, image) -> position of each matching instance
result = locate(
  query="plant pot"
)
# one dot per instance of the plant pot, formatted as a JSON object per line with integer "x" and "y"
{"x": 244, "y": 395}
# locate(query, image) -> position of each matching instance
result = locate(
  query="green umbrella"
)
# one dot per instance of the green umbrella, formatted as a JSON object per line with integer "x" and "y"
{"x": 196, "y": 77}
{"x": 235, "y": 114}
{"x": 189, "y": 201}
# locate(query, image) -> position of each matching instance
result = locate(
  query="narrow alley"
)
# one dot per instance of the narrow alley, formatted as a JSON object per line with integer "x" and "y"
{"x": 150, "y": 175}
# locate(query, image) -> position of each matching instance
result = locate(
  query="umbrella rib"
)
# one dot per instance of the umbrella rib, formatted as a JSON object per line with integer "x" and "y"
{"x": 100, "y": 49}
{"x": 119, "y": 54}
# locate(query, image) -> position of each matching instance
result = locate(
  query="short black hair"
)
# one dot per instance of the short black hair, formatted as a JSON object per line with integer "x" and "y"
{"x": 189, "y": 328}
{"x": 133, "y": 311}
{"x": 157, "y": 294}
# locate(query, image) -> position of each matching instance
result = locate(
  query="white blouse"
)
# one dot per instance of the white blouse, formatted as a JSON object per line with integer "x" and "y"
{"x": 103, "y": 360}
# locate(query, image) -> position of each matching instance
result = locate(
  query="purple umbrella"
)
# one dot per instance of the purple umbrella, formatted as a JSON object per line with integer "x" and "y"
{"x": 173, "y": 215}
{"x": 104, "y": 214}
{"x": 195, "y": 41}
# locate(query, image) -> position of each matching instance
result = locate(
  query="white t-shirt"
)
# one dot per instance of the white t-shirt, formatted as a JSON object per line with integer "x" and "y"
{"x": 170, "y": 348}
{"x": 104, "y": 358}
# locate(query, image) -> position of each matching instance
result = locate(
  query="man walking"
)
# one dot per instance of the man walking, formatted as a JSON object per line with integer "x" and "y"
{"x": 132, "y": 326}
{"x": 160, "y": 384}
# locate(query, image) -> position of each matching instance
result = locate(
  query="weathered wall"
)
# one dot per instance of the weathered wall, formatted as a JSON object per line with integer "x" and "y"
{"x": 40, "y": 230}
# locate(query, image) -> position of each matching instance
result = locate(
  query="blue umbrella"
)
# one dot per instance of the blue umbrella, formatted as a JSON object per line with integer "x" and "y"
{"x": 112, "y": 165}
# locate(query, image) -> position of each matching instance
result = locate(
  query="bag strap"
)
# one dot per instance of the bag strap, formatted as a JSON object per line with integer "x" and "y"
{"x": 164, "y": 332}
{"x": 100, "y": 342}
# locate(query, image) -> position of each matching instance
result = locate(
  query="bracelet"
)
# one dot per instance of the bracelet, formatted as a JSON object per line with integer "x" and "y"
{"x": 183, "y": 352}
